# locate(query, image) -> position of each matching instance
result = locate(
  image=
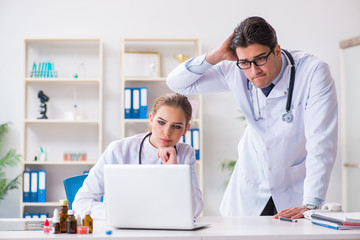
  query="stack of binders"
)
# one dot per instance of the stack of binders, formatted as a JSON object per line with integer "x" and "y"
{"x": 192, "y": 137}
{"x": 136, "y": 103}
{"x": 34, "y": 186}
{"x": 337, "y": 220}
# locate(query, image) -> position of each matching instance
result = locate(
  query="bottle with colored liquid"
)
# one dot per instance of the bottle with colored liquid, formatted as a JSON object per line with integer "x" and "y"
{"x": 63, "y": 215}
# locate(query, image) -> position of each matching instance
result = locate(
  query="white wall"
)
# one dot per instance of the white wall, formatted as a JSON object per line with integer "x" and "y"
{"x": 314, "y": 26}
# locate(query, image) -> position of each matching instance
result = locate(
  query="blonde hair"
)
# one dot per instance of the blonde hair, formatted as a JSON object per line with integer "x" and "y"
{"x": 175, "y": 100}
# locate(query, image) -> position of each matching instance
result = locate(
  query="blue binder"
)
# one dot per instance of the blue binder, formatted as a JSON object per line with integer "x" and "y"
{"x": 26, "y": 186}
{"x": 143, "y": 102}
{"x": 135, "y": 103}
{"x": 42, "y": 186}
{"x": 196, "y": 142}
{"x": 128, "y": 102}
{"x": 34, "y": 186}
{"x": 27, "y": 215}
{"x": 188, "y": 137}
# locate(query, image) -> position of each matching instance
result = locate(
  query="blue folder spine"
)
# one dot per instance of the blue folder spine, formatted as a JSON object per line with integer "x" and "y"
{"x": 143, "y": 102}
{"x": 42, "y": 186}
{"x": 26, "y": 186}
{"x": 196, "y": 142}
{"x": 34, "y": 186}
{"x": 136, "y": 103}
{"x": 128, "y": 103}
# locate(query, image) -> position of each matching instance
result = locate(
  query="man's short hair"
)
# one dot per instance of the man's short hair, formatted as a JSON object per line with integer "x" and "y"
{"x": 253, "y": 30}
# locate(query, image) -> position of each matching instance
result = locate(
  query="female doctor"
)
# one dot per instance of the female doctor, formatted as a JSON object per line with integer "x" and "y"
{"x": 169, "y": 121}
{"x": 289, "y": 101}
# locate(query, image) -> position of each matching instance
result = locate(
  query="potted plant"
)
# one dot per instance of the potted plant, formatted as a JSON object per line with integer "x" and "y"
{"x": 11, "y": 159}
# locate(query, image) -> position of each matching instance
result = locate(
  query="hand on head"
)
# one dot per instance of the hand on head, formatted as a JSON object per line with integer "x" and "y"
{"x": 223, "y": 52}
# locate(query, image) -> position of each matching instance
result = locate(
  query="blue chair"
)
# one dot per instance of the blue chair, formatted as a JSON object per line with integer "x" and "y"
{"x": 72, "y": 186}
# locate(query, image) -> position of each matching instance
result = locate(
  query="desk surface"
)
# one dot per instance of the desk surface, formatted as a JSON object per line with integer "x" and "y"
{"x": 221, "y": 228}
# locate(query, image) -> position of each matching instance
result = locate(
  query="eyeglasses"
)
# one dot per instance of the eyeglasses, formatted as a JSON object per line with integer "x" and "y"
{"x": 258, "y": 61}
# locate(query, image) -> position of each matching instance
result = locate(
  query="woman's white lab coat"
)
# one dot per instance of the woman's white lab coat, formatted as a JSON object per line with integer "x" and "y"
{"x": 291, "y": 162}
{"x": 126, "y": 151}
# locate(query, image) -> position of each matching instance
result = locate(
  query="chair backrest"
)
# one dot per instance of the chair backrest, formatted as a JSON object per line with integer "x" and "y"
{"x": 72, "y": 185}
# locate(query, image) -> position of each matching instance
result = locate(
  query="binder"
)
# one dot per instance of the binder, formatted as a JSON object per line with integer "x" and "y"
{"x": 43, "y": 215}
{"x": 39, "y": 70}
{"x": 47, "y": 69}
{"x": 26, "y": 186}
{"x": 42, "y": 69}
{"x": 135, "y": 103}
{"x": 42, "y": 186}
{"x": 188, "y": 137}
{"x": 53, "y": 70}
{"x": 143, "y": 102}
{"x": 127, "y": 102}
{"x": 27, "y": 215}
{"x": 196, "y": 142}
{"x": 34, "y": 186}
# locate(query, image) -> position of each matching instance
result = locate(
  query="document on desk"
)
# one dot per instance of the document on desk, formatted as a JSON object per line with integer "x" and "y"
{"x": 21, "y": 224}
{"x": 343, "y": 218}
{"x": 337, "y": 220}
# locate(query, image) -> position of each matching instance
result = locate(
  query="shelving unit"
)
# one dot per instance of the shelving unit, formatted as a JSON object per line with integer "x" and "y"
{"x": 152, "y": 74}
{"x": 59, "y": 133}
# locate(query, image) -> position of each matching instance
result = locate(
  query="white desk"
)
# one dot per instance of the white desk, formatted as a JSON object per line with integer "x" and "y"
{"x": 254, "y": 228}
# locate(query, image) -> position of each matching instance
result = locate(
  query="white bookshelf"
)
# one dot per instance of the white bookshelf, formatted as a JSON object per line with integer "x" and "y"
{"x": 57, "y": 134}
{"x": 166, "y": 49}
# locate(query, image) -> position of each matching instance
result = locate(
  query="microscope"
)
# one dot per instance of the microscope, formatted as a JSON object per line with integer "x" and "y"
{"x": 43, "y": 99}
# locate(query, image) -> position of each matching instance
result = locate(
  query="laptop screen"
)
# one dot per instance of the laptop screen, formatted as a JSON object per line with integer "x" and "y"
{"x": 149, "y": 196}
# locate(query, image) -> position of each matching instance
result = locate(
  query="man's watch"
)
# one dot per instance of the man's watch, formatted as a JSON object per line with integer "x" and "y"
{"x": 310, "y": 206}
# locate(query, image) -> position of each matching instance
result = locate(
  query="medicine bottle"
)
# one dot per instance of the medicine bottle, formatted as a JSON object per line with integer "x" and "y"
{"x": 71, "y": 223}
{"x": 46, "y": 226}
{"x": 63, "y": 215}
{"x": 78, "y": 220}
{"x": 56, "y": 222}
{"x": 88, "y": 221}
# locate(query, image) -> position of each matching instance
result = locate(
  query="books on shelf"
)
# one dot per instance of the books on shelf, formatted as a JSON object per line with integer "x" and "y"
{"x": 136, "y": 103}
{"x": 337, "y": 220}
{"x": 43, "y": 70}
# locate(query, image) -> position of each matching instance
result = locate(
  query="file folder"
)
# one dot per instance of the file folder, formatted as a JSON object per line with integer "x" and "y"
{"x": 196, "y": 142}
{"x": 27, "y": 215}
{"x": 26, "y": 186}
{"x": 135, "y": 103}
{"x": 188, "y": 137}
{"x": 34, "y": 186}
{"x": 143, "y": 102}
{"x": 42, "y": 186}
{"x": 127, "y": 103}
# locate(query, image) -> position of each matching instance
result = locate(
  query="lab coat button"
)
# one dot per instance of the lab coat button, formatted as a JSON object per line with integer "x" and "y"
{"x": 269, "y": 168}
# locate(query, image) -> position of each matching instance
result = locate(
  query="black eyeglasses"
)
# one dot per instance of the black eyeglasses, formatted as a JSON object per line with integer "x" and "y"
{"x": 258, "y": 61}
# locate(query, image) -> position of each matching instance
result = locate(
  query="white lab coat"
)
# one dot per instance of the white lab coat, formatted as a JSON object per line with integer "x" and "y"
{"x": 126, "y": 151}
{"x": 291, "y": 162}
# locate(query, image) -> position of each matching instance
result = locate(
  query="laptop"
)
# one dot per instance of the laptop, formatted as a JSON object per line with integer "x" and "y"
{"x": 149, "y": 197}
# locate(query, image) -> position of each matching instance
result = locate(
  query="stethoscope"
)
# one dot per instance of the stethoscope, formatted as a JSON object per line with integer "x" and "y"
{"x": 287, "y": 116}
{"x": 142, "y": 143}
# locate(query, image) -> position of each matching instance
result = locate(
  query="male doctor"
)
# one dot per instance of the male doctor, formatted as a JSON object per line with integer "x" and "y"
{"x": 286, "y": 153}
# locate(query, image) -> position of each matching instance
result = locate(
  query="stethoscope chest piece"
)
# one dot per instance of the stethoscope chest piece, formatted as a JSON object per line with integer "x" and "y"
{"x": 287, "y": 117}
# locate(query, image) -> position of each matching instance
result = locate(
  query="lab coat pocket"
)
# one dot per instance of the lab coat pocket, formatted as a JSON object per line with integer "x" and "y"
{"x": 297, "y": 124}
